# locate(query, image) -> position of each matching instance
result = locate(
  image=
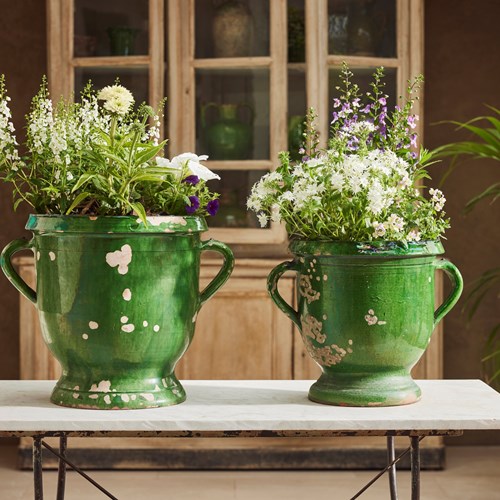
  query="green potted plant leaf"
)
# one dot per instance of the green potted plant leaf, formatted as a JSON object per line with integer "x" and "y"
{"x": 116, "y": 239}
{"x": 365, "y": 243}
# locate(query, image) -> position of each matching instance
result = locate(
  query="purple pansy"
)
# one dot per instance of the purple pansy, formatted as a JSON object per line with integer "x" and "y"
{"x": 195, "y": 204}
{"x": 213, "y": 207}
{"x": 191, "y": 179}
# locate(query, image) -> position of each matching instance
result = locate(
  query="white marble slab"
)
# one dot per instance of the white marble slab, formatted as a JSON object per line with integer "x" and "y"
{"x": 276, "y": 405}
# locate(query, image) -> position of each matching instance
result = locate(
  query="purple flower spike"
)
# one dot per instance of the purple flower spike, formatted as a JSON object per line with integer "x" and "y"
{"x": 191, "y": 179}
{"x": 382, "y": 101}
{"x": 412, "y": 121}
{"x": 213, "y": 207}
{"x": 195, "y": 204}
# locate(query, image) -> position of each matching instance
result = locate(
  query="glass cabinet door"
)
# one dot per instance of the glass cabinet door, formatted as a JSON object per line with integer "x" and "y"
{"x": 106, "y": 41}
{"x": 232, "y": 67}
{"x": 240, "y": 74}
{"x": 111, "y": 28}
{"x": 362, "y": 28}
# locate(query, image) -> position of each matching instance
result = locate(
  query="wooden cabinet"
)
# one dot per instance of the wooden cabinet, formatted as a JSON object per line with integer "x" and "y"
{"x": 250, "y": 68}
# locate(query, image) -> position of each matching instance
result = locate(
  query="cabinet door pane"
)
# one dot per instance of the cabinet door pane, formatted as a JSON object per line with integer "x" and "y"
{"x": 234, "y": 188}
{"x": 135, "y": 79}
{"x": 296, "y": 31}
{"x": 297, "y": 108}
{"x": 113, "y": 27}
{"x": 230, "y": 28}
{"x": 362, "y": 27}
{"x": 232, "y": 110}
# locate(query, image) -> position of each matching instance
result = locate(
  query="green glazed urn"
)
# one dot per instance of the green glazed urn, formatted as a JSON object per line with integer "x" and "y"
{"x": 366, "y": 313}
{"x": 117, "y": 301}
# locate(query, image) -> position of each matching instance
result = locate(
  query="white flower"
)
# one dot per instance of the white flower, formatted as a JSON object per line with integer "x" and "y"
{"x": 378, "y": 229}
{"x": 189, "y": 160}
{"x": 395, "y": 223}
{"x": 117, "y": 99}
{"x": 287, "y": 196}
{"x": 376, "y": 197}
{"x": 262, "y": 219}
{"x": 362, "y": 127}
{"x": 337, "y": 181}
{"x": 438, "y": 200}
{"x": 413, "y": 235}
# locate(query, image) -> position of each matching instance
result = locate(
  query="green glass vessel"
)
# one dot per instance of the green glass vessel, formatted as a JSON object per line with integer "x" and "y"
{"x": 228, "y": 138}
{"x": 366, "y": 313}
{"x": 117, "y": 301}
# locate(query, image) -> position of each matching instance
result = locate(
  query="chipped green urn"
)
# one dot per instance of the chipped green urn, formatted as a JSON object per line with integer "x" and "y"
{"x": 117, "y": 301}
{"x": 366, "y": 313}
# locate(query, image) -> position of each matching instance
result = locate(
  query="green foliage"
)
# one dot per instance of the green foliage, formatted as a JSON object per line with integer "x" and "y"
{"x": 361, "y": 188}
{"x": 84, "y": 158}
{"x": 484, "y": 144}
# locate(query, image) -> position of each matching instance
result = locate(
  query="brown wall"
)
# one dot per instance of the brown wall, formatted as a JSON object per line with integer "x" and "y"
{"x": 462, "y": 43}
{"x": 462, "y": 74}
{"x": 23, "y": 61}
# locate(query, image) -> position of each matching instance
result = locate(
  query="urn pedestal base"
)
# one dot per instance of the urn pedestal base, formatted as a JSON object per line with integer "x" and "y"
{"x": 125, "y": 394}
{"x": 384, "y": 389}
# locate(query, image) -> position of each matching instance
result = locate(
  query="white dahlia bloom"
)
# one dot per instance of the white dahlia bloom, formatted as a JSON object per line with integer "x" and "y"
{"x": 117, "y": 99}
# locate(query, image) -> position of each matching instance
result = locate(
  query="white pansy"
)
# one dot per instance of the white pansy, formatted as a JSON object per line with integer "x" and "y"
{"x": 190, "y": 161}
{"x": 117, "y": 99}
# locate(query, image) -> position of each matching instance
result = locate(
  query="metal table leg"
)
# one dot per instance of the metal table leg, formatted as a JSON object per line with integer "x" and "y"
{"x": 391, "y": 457}
{"x": 37, "y": 467}
{"x": 415, "y": 468}
{"x": 61, "y": 474}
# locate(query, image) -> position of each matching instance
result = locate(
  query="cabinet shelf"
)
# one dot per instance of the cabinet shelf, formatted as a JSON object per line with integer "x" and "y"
{"x": 240, "y": 165}
{"x": 111, "y": 61}
{"x": 233, "y": 62}
{"x": 363, "y": 61}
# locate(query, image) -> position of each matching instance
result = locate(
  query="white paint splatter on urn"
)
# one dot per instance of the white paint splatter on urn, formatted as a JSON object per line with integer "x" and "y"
{"x": 120, "y": 258}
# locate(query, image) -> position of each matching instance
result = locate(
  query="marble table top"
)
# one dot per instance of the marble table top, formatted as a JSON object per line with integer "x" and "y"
{"x": 253, "y": 405}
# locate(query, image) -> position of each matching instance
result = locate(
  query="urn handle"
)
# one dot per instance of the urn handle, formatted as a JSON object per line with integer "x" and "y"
{"x": 9, "y": 271}
{"x": 458, "y": 284}
{"x": 272, "y": 288}
{"x": 223, "y": 274}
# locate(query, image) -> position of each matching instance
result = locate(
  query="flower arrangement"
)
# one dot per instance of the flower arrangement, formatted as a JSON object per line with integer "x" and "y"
{"x": 87, "y": 158}
{"x": 363, "y": 186}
